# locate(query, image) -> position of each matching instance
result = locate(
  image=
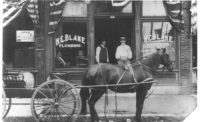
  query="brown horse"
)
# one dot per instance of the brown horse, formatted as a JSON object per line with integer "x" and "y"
{"x": 104, "y": 74}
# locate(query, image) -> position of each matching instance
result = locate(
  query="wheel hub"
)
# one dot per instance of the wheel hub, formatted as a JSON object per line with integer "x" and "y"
{"x": 56, "y": 104}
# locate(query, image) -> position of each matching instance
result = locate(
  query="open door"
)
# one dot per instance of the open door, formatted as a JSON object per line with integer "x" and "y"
{"x": 111, "y": 30}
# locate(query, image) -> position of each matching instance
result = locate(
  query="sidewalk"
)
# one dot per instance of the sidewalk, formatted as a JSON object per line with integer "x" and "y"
{"x": 169, "y": 108}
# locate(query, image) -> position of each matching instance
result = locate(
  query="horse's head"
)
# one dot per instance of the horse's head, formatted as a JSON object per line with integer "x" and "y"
{"x": 165, "y": 59}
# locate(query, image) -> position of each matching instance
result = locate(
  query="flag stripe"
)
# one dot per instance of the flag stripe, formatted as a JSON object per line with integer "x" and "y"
{"x": 175, "y": 14}
{"x": 11, "y": 10}
{"x": 194, "y": 17}
{"x": 56, "y": 10}
{"x": 32, "y": 9}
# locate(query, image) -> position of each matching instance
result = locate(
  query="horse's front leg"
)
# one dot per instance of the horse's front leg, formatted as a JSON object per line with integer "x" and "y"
{"x": 94, "y": 97}
{"x": 141, "y": 92}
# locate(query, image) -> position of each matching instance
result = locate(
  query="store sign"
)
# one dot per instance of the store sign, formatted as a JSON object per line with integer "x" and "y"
{"x": 70, "y": 41}
{"x": 25, "y": 36}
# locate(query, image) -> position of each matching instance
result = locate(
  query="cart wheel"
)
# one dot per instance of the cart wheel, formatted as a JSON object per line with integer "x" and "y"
{"x": 6, "y": 104}
{"x": 55, "y": 101}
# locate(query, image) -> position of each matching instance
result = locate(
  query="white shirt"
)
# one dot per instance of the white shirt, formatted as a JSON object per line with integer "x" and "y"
{"x": 123, "y": 52}
{"x": 98, "y": 50}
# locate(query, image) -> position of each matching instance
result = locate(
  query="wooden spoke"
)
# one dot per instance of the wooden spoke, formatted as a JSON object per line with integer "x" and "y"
{"x": 50, "y": 90}
{"x": 65, "y": 113}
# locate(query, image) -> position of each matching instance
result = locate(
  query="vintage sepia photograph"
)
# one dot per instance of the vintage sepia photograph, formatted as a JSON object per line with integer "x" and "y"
{"x": 99, "y": 60}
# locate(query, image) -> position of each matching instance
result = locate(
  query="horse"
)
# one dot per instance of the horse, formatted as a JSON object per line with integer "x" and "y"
{"x": 110, "y": 74}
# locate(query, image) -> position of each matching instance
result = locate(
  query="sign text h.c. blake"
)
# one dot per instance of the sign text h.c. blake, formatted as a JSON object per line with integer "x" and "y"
{"x": 70, "y": 41}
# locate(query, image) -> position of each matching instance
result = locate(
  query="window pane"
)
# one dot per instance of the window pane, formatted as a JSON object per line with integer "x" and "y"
{"x": 75, "y": 9}
{"x": 18, "y": 43}
{"x": 71, "y": 46}
{"x": 106, "y": 6}
{"x": 153, "y": 8}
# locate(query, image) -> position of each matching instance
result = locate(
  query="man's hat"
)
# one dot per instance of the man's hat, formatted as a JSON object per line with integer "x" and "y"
{"x": 122, "y": 38}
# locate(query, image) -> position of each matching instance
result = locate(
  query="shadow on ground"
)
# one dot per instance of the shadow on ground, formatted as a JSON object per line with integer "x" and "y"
{"x": 103, "y": 119}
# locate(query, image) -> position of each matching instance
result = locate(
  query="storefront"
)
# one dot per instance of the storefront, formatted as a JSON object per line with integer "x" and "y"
{"x": 71, "y": 48}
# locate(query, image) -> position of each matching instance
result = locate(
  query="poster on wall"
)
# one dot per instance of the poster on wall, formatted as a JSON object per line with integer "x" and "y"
{"x": 24, "y": 36}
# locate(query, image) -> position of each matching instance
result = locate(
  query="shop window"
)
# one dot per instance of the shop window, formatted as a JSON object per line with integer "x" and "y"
{"x": 158, "y": 35}
{"x": 18, "y": 43}
{"x": 161, "y": 35}
{"x": 106, "y": 6}
{"x": 75, "y": 9}
{"x": 150, "y": 8}
{"x": 71, "y": 46}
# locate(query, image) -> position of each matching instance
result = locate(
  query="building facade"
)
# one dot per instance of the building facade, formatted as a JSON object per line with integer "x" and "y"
{"x": 70, "y": 46}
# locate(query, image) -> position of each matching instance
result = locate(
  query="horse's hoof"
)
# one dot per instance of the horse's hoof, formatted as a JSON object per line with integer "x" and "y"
{"x": 83, "y": 113}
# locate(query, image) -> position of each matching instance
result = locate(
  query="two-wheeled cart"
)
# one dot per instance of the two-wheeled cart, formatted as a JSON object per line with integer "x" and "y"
{"x": 54, "y": 100}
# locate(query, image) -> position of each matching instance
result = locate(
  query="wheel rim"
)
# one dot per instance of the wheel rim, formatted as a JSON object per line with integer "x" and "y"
{"x": 55, "y": 100}
{"x": 6, "y": 104}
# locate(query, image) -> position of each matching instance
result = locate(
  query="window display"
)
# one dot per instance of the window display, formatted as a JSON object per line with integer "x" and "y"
{"x": 71, "y": 46}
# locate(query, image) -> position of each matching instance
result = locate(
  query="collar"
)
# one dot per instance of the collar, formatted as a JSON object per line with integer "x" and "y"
{"x": 102, "y": 45}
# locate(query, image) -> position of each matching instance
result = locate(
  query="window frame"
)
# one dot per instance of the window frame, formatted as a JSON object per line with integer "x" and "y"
{"x": 72, "y": 20}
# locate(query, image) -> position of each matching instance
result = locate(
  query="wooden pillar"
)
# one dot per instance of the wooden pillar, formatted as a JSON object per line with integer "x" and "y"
{"x": 40, "y": 45}
{"x": 91, "y": 40}
{"x": 138, "y": 41}
{"x": 48, "y": 42}
{"x": 186, "y": 51}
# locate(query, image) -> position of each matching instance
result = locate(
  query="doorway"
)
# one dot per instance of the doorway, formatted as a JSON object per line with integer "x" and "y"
{"x": 111, "y": 30}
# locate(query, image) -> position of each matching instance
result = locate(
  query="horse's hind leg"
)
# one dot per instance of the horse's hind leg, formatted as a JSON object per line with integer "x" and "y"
{"x": 94, "y": 97}
{"x": 140, "y": 97}
{"x": 84, "y": 93}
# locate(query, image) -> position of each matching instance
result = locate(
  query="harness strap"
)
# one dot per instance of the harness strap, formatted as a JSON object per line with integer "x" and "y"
{"x": 121, "y": 77}
{"x": 132, "y": 72}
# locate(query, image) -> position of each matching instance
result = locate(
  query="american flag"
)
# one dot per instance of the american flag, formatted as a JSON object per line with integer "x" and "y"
{"x": 32, "y": 9}
{"x": 56, "y": 8}
{"x": 11, "y": 9}
{"x": 194, "y": 17}
{"x": 175, "y": 13}
{"x": 55, "y": 14}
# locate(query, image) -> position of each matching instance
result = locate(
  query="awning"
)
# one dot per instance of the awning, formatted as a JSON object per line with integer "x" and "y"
{"x": 12, "y": 9}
